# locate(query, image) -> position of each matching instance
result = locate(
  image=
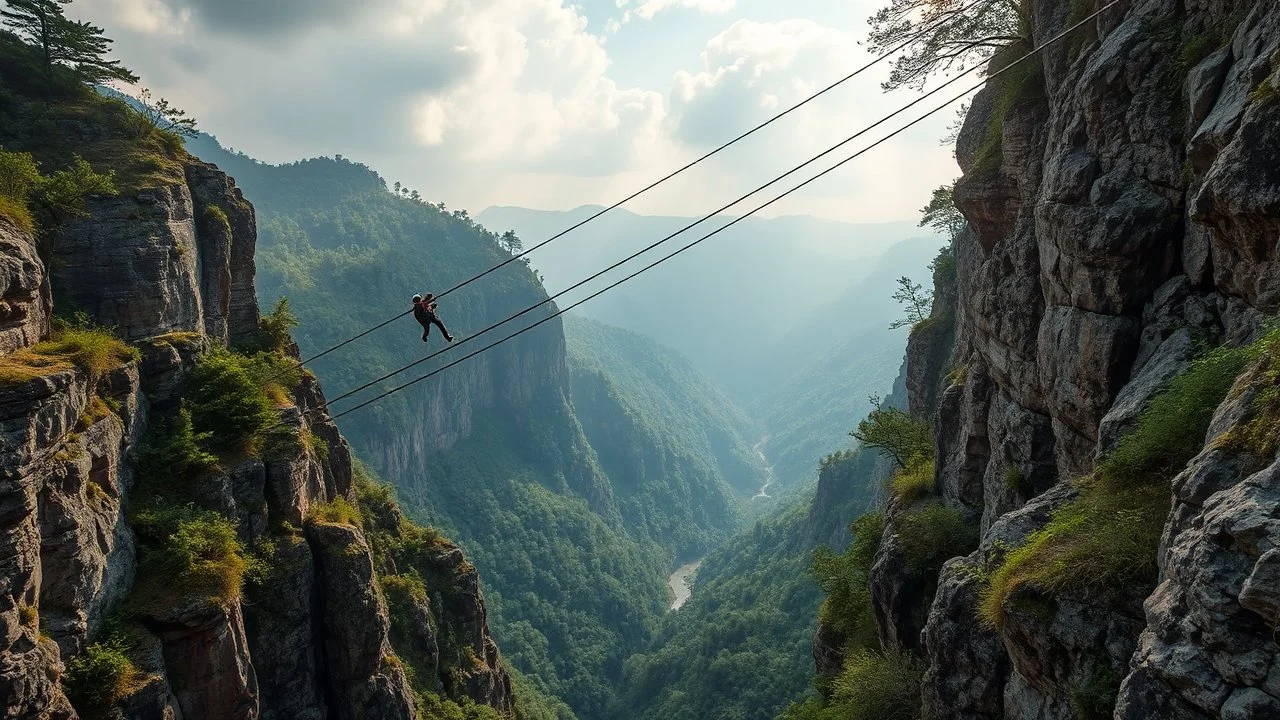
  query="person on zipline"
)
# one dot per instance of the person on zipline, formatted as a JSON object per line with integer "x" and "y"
{"x": 424, "y": 311}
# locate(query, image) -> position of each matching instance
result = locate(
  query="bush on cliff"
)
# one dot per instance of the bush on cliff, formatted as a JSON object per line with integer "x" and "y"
{"x": 32, "y": 200}
{"x": 101, "y": 676}
{"x": 932, "y": 533}
{"x": 845, "y": 578}
{"x": 1108, "y": 536}
{"x": 201, "y": 558}
{"x": 895, "y": 434}
{"x": 871, "y": 686}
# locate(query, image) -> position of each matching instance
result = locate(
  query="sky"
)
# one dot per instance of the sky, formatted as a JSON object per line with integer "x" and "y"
{"x": 543, "y": 104}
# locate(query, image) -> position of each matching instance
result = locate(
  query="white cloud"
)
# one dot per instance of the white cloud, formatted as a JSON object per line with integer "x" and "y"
{"x": 479, "y": 102}
{"x": 647, "y": 9}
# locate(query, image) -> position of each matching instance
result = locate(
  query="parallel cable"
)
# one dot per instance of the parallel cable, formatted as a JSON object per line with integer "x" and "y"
{"x": 661, "y": 241}
{"x": 730, "y": 224}
{"x": 639, "y": 192}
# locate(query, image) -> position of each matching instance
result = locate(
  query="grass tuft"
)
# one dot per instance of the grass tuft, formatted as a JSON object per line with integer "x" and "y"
{"x": 93, "y": 350}
{"x": 875, "y": 686}
{"x": 914, "y": 482}
{"x": 202, "y": 559}
{"x": 1260, "y": 433}
{"x": 1016, "y": 480}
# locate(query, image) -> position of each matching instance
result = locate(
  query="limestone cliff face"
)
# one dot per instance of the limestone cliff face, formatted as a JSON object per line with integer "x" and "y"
{"x": 171, "y": 268}
{"x": 1126, "y": 216}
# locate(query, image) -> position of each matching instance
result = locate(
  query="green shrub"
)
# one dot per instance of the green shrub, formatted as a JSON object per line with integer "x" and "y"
{"x": 932, "y": 533}
{"x": 431, "y": 705}
{"x": 914, "y": 482}
{"x": 61, "y": 196}
{"x": 210, "y": 557}
{"x": 1108, "y": 536}
{"x": 1016, "y": 480}
{"x": 28, "y": 615}
{"x": 338, "y": 511}
{"x": 875, "y": 686}
{"x": 845, "y": 578}
{"x": 1171, "y": 431}
{"x": 172, "y": 459}
{"x": 1096, "y": 700}
{"x": 201, "y": 558}
{"x": 19, "y": 177}
{"x": 276, "y": 325}
{"x": 101, "y": 676}
{"x": 228, "y": 404}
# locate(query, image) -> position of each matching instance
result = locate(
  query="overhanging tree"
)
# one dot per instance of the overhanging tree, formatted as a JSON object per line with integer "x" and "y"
{"x": 77, "y": 45}
{"x": 952, "y": 34}
{"x": 941, "y": 213}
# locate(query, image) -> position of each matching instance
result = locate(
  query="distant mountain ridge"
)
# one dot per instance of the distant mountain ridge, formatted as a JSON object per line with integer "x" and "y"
{"x": 721, "y": 303}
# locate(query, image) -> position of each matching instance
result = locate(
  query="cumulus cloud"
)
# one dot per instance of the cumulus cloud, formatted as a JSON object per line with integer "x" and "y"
{"x": 478, "y": 102}
{"x": 647, "y": 9}
{"x": 753, "y": 70}
{"x": 495, "y": 81}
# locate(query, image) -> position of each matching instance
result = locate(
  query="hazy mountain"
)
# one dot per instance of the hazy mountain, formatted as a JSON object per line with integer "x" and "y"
{"x": 724, "y": 303}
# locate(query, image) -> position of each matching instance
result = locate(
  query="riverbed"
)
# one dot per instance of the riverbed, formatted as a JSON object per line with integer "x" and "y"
{"x": 681, "y": 583}
{"x": 768, "y": 478}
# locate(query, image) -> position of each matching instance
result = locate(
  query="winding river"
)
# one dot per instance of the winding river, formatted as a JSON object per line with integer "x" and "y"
{"x": 768, "y": 478}
{"x": 681, "y": 583}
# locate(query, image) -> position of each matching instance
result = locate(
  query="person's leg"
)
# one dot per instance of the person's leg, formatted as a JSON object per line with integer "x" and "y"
{"x": 426, "y": 330}
{"x": 443, "y": 329}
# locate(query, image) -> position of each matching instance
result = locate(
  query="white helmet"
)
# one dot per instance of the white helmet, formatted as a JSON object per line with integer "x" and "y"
{"x": 417, "y": 298}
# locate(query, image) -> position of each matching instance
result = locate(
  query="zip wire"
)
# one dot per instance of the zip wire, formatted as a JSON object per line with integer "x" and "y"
{"x": 663, "y": 240}
{"x": 730, "y": 224}
{"x": 639, "y": 192}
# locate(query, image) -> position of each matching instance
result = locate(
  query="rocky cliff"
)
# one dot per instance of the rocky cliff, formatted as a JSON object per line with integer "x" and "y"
{"x": 1123, "y": 203}
{"x": 147, "y": 577}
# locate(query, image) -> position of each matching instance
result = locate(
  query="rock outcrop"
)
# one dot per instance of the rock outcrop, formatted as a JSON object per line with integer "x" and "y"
{"x": 25, "y": 304}
{"x": 171, "y": 269}
{"x": 1125, "y": 220}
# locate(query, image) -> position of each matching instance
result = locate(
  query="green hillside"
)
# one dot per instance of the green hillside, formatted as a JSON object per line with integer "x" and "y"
{"x": 740, "y": 648}
{"x": 674, "y": 447}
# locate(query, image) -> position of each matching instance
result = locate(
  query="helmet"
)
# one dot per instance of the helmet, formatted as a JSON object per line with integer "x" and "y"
{"x": 417, "y": 298}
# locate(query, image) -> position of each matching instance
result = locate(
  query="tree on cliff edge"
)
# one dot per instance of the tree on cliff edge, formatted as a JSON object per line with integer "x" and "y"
{"x": 942, "y": 35}
{"x": 77, "y": 45}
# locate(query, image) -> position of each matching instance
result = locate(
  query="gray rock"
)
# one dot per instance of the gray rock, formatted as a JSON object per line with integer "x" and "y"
{"x": 968, "y": 667}
{"x": 131, "y": 264}
{"x": 363, "y": 680}
{"x": 25, "y": 304}
{"x": 280, "y": 620}
{"x": 206, "y": 656}
{"x": 226, "y": 229}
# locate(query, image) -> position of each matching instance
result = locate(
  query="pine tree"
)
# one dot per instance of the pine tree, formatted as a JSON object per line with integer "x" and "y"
{"x": 75, "y": 44}
{"x": 511, "y": 242}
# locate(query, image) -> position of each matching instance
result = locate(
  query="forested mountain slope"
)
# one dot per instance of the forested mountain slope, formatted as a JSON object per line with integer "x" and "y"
{"x": 678, "y": 453}
{"x": 573, "y": 552}
{"x": 186, "y": 534}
